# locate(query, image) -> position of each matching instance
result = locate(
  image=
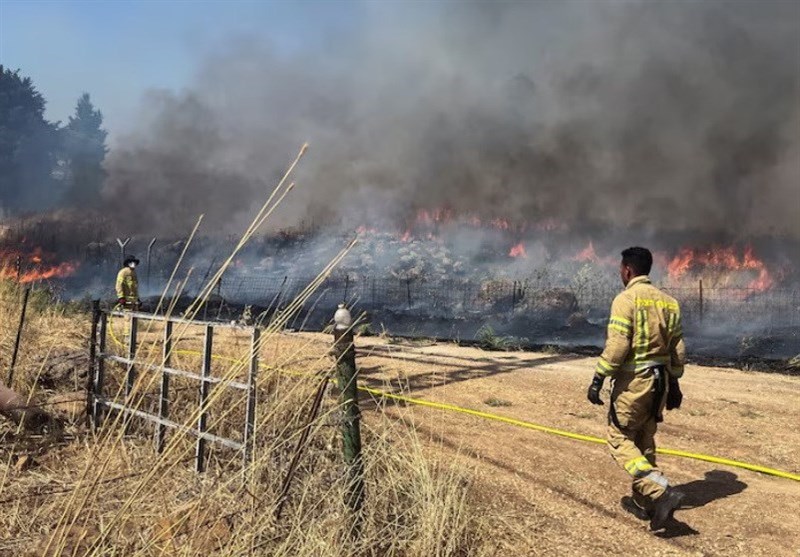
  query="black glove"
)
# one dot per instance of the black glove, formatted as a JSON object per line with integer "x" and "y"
{"x": 674, "y": 394}
{"x": 594, "y": 389}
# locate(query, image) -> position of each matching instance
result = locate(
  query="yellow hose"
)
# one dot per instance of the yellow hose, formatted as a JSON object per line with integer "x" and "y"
{"x": 578, "y": 436}
{"x": 536, "y": 427}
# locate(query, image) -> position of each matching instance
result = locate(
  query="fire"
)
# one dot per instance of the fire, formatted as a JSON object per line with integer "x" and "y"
{"x": 361, "y": 230}
{"x": 32, "y": 267}
{"x": 436, "y": 215}
{"x": 499, "y": 224}
{"x": 518, "y": 251}
{"x": 59, "y": 271}
{"x": 721, "y": 261}
{"x": 589, "y": 255}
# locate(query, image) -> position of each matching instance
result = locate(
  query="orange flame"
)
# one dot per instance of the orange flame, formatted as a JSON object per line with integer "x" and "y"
{"x": 518, "y": 251}
{"x": 724, "y": 260}
{"x": 62, "y": 270}
{"x": 16, "y": 265}
{"x": 589, "y": 255}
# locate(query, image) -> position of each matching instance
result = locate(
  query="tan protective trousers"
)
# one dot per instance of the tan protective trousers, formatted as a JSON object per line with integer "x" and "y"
{"x": 631, "y": 434}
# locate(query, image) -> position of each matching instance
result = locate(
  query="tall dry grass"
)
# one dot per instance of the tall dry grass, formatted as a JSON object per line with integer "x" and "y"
{"x": 106, "y": 492}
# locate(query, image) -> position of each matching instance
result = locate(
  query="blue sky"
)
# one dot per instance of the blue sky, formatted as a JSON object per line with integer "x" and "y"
{"x": 116, "y": 49}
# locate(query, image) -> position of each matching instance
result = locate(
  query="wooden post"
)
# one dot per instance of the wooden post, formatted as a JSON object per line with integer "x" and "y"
{"x": 99, "y": 375}
{"x": 19, "y": 337}
{"x": 163, "y": 400}
{"x": 250, "y": 411}
{"x": 408, "y": 291}
{"x": 200, "y": 450}
{"x": 345, "y": 354}
{"x": 92, "y": 361}
{"x": 700, "y": 290}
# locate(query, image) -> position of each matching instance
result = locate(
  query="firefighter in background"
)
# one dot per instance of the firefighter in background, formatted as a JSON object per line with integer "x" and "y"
{"x": 644, "y": 357}
{"x": 128, "y": 285}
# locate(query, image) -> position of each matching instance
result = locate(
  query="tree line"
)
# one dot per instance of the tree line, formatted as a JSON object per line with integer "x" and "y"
{"x": 46, "y": 164}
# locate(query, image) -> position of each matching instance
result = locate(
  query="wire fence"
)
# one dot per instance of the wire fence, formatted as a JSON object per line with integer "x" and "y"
{"x": 465, "y": 298}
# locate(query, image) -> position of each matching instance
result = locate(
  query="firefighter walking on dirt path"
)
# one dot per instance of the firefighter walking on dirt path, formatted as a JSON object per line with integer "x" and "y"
{"x": 128, "y": 285}
{"x": 644, "y": 357}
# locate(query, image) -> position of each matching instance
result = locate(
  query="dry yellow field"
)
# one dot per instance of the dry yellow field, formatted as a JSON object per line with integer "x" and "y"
{"x": 438, "y": 482}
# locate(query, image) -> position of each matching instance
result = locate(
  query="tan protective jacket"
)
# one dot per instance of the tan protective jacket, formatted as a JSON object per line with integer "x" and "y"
{"x": 128, "y": 285}
{"x": 644, "y": 331}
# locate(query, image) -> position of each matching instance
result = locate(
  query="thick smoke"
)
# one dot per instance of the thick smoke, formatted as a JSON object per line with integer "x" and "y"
{"x": 662, "y": 116}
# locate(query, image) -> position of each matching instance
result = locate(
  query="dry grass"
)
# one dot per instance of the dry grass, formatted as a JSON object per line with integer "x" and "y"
{"x": 105, "y": 493}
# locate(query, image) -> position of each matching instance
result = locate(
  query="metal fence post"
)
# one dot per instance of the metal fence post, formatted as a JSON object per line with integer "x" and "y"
{"x": 513, "y": 296}
{"x": 149, "y": 254}
{"x": 163, "y": 400}
{"x": 250, "y": 412}
{"x": 131, "y": 375}
{"x": 700, "y": 292}
{"x": 25, "y": 297}
{"x": 200, "y": 452}
{"x": 92, "y": 361}
{"x": 122, "y": 245}
{"x": 99, "y": 374}
{"x": 130, "y": 378}
{"x": 345, "y": 353}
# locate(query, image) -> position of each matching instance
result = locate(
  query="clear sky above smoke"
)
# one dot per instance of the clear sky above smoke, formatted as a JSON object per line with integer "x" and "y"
{"x": 115, "y": 50}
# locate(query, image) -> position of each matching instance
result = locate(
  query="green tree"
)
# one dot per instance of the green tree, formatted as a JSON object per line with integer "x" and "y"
{"x": 28, "y": 145}
{"x": 84, "y": 152}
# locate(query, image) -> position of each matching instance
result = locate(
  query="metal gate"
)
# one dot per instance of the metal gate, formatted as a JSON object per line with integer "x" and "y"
{"x": 98, "y": 403}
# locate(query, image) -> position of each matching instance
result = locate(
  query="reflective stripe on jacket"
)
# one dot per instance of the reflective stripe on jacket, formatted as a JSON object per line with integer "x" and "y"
{"x": 644, "y": 330}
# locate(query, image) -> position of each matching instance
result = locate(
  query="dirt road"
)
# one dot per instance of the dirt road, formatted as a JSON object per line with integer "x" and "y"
{"x": 562, "y": 496}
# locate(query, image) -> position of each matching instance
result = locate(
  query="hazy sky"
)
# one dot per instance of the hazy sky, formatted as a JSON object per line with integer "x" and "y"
{"x": 115, "y": 49}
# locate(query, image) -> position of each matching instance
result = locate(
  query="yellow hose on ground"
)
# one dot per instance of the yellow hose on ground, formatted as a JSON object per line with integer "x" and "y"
{"x": 578, "y": 436}
{"x": 537, "y": 427}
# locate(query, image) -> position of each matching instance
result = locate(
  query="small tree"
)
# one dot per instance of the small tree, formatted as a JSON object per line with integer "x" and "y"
{"x": 84, "y": 153}
{"x": 28, "y": 145}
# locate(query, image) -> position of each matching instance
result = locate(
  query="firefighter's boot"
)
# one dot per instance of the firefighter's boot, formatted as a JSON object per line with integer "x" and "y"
{"x": 664, "y": 507}
{"x": 630, "y": 505}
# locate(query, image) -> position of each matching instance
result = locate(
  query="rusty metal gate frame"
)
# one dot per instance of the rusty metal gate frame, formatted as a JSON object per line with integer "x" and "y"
{"x": 97, "y": 403}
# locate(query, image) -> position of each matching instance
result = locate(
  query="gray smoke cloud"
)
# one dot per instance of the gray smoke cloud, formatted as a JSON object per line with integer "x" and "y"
{"x": 664, "y": 116}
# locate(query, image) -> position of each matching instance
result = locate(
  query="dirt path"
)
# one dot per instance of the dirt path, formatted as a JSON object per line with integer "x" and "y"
{"x": 562, "y": 496}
